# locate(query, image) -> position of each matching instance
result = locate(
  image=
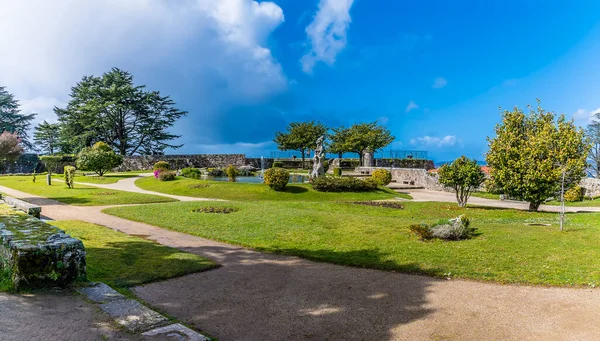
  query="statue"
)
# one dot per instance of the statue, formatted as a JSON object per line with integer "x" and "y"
{"x": 318, "y": 169}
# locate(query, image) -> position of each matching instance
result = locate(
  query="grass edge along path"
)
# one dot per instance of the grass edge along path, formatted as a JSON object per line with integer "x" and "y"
{"x": 513, "y": 247}
{"x": 123, "y": 261}
{"x": 245, "y": 191}
{"x": 80, "y": 195}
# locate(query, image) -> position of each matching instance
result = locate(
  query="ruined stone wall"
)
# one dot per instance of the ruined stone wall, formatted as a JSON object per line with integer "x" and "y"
{"x": 182, "y": 161}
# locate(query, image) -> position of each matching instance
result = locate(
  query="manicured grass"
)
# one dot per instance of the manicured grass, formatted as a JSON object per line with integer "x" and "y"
{"x": 5, "y": 282}
{"x": 120, "y": 260}
{"x": 245, "y": 191}
{"x": 80, "y": 195}
{"x": 95, "y": 179}
{"x": 507, "y": 250}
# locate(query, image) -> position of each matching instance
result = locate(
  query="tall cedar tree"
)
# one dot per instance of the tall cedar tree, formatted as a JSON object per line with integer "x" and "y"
{"x": 110, "y": 108}
{"x": 11, "y": 118}
{"x": 46, "y": 137}
{"x": 300, "y": 136}
{"x": 530, "y": 153}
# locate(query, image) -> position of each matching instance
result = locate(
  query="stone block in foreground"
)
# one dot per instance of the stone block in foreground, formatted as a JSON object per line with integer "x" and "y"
{"x": 38, "y": 254}
{"x": 31, "y": 209}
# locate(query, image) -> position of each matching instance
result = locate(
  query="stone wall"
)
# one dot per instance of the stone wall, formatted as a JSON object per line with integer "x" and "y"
{"x": 405, "y": 163}
{"x": 591, "y": 186}
{"x": 411, "y": 176}
{"x": 38, "y": 254}
{"x": 182, "y": 161}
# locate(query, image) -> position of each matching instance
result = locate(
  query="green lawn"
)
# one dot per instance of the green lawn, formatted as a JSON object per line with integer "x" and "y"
{"x": 508, "y": 250}
{"x": 120, "y": 260}
{"x": 80, "y": 195}
{"x": 95, "y": 179}
{"x": 252, "y": 192}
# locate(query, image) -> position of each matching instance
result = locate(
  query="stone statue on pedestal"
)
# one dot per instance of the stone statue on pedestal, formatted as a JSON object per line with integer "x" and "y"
{"x": 318, "y": 169}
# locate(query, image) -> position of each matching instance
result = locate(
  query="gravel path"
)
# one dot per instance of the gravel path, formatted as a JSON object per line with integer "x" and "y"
{"x": 259, "y": 296}
{"x": 55, "y": 316}
{"x": 425, "y": 195}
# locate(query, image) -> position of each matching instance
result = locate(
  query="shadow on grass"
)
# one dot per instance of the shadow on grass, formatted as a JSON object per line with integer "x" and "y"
{"x": 295, "y": 189}
{"x": 297, "y": 299}
{"x": 125, "y": 264}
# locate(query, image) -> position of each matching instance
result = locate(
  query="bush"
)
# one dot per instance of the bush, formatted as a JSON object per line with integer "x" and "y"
{"x": 452, "y": 229}
{"x": 192, "y": 173}
{"x": 343, "y": 184}
{"x": 575, "y": 193}
{"x": 69, "y": 176}
{"x": 337, "y": 171}
{"x": 232, "y": 173}
{"x": 276, "y": 178}
{"x": 161, "y": 165}
{"x": 277, "y": 164}
{"x": 216, "y": 172}
{"x": 382, "y": 176}
{"x": 166, "y": 175}
{"x": 100, "y": 158}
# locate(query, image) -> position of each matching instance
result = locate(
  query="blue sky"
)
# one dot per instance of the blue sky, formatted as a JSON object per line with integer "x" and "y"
{"x": 434, "y": 72}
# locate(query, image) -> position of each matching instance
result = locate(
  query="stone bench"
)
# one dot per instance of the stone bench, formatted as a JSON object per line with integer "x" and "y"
{"x": 38, "y": 254}
{"x": 31, "y": 209}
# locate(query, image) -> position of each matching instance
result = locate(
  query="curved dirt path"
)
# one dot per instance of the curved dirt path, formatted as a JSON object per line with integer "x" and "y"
{"x": 128, "y": 185}
{"x": 260, "y": 296}
{"x": 425, "y": 195}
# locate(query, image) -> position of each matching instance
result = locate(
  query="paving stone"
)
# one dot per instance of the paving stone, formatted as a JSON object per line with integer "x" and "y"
{"x": 133, "y": 315}
{"x": 100, "y": 293}
{"x": 174, "y": 332}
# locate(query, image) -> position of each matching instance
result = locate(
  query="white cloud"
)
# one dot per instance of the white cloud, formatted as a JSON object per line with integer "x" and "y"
{"x": 439, "y": 83}
{"x": 411, "y": 106}
{"x": 432, "y": 141}
{"x": 327, "y": 33}
{"x": 584, "y": 117}
{"x": 217, "y": 46}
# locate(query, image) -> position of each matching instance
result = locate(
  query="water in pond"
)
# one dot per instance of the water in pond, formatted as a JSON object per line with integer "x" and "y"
{"x": 294, "y": 179}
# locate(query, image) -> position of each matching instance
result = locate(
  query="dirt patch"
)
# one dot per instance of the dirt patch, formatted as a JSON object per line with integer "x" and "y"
{"x": 223, "y": 210}
{"x": 386, "y": 204}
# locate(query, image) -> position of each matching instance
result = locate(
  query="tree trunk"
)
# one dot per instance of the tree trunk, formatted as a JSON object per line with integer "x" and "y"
{"x": 49, "y": 179}
{"x": 534, "y": 206}
{"x": 302, "y": 151}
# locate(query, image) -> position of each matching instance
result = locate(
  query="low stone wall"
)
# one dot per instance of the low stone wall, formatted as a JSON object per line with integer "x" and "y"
{"x": 405, "y": 163}
{"x": 591, "y": 186}
{"x": 181, "y": 161}
{"x": 30, "y": 209}
{"x": 410, "y": 176}
{"x": 38, "y": 254}
{"x": 255, "y": 162}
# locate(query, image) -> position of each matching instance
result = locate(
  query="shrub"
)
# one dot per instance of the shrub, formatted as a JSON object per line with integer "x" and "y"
{"x": 192, "y": 173}
{"x": 337, "y": 171}
{"x": 69, "y": 176}
{"x": 276, "y": 178}
{"x": 161, "y": 165}
{"x": 232, "y": 173}
{"x": 451, "y": 229}
{"x": 166, "y": 175}
{"x": 277, "y": 164}
{"x": 216, "y": 172}
{"x": 343, "y": 184}
{"x": 100, "y": 158}
{"x": 575, "y": 193}
{"x": 382, "y": 176}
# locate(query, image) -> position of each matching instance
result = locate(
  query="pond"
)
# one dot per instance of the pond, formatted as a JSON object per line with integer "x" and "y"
{"x": 294, "y": 179}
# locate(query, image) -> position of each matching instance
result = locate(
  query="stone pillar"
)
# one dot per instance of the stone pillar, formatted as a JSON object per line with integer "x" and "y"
{"x": 368, "y": 160}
